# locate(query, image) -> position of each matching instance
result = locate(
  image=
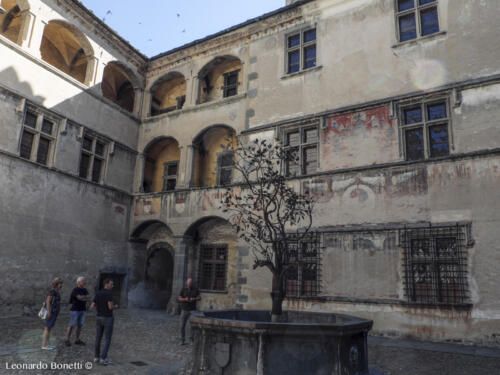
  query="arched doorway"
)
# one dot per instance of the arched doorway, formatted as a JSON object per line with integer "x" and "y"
{"x": 152, "y": 267}
{"x": 158, "y": 276}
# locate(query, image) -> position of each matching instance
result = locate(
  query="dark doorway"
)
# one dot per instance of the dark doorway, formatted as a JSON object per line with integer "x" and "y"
{"x": 159, "y": 276}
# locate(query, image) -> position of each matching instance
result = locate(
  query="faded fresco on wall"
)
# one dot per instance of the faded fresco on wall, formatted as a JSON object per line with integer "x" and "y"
{"x": 359, "y": 138}
{"x": 349, "y": 195}
{"x": 147, "y": 207}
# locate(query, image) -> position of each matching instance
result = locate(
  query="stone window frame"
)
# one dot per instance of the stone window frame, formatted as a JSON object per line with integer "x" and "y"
{"x": 303, "y": 145}
{"x": 300, "y": 48}
{"x": 222, "y": 168}
{"x": 37, "y": 132}
{"x": 416, "y": 11}
{"x": 170, "y": 177}
{"x": 425, "y": 124}
{"x": 93, "y": 155}
{"x": 214, "y": 262}
{"x": 435, "y": 265}
{"x": 295, "y": 286}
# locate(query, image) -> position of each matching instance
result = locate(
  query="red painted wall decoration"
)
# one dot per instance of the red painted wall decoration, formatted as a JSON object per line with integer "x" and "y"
{"x": 359, "y": 138}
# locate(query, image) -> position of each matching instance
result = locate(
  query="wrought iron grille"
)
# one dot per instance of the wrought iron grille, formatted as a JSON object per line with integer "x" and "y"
{"x": 303, "y": 277}
{"x": 435, "y": 265}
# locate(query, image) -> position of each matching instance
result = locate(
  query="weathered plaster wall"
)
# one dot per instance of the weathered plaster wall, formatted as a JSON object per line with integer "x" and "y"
{"x": 67, "y": 147}
{"x": 55, "y": 225}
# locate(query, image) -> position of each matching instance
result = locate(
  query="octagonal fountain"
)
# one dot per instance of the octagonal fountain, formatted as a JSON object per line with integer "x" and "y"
{"x": 244, "y": 342}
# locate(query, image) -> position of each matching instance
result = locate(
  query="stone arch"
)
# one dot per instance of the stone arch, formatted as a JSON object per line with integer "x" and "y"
{"x": 219, "y": 78}
{"x": 212, "y": 159}
{"x": 152, "y": 265}
{"x": 119, "y": 84}
{"x": 168, "y": 93}
{"x": 158, "y": 274}
{"x": 65, "y": 47}
{"x": 14, "y": 22}
{"x": 161, "y": 164}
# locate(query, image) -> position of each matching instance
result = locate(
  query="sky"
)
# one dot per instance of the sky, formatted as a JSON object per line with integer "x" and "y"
{"x": 156, "y": 26}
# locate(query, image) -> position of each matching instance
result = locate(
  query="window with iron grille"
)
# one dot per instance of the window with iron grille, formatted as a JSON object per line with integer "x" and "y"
{"x": 416, "y": 18}
{"x": 92, "y": 159}
{"x": 170, "y": 175}
{"x": 301, "y": 145}
{"x": 230, "y": 87}
{"x": 225, "y": 164}
{"x": 303, "y": 276}
{"x": 435, "y": 265}
{"x": 426, "y": 129}
{"x": 213, "y": 267}
{"x": 37, "y": 137}
{"x": 301, "y": 51}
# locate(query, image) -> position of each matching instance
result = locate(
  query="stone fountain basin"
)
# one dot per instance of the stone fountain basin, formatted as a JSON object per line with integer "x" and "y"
{"x": 243, "y": 342}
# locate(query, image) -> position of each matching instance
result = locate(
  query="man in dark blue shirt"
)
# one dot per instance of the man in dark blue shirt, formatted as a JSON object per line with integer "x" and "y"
{"x": 78, "y": 300}
{"x": 103, "y": 302}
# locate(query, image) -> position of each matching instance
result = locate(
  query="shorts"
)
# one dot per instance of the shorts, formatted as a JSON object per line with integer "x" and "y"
{"x": 76, "y": 318}
{"x": 49, "y": 323}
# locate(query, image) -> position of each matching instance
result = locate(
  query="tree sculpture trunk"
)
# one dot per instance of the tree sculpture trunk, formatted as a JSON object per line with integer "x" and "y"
{"x": 277, "y": 297}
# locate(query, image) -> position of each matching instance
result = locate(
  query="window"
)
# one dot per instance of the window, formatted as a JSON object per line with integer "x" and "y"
{"x": 230, "y": 87}
{"x": 170, "y": 175}
{"x": 435, "y": 269}
{"x": 37, "y": 139}
{"x": 225, "y": 164}
{"x": 213, "y": 267}
{"x": 92, "y": 159}
{"x": 301, "y": 51}
{"x": 416, "y": 18}
{"x": 301, "y": 146}
{"x": 303, "y": 275}
{"x": 425, "y": 128}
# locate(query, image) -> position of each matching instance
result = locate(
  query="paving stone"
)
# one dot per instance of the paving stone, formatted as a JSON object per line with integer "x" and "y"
{"x": 151, "y": 337}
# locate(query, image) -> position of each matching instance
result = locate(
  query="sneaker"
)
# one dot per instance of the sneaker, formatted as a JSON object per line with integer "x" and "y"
{"x": 96, "y": 360}
{"x": 106, "y": 362}
{"x": 182, "y": 342}
{"x": 79, "y": 342}
{"x": 67, "y": 343}
{"x": 50, "y": 347}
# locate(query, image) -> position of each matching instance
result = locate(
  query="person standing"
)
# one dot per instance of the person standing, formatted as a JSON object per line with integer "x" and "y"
{"x": 103, "y": 302}
{"x": 188, "y": 298}
{"x": 53, "y": 306}
{"x": 78, "y": 300}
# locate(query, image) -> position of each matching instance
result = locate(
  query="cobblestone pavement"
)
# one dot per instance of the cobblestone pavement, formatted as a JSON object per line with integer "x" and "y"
{"x": 145, "y": 342}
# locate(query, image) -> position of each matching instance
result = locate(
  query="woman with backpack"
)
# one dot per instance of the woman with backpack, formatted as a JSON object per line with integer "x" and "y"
{"x": 53, "y": 306}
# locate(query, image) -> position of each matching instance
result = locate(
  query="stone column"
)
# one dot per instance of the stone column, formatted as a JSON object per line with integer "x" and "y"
{"x": 192, "y": 91}
{"x": 189, "y": 166}
{"x": 139, "y": 173}
{"x": 90, "y": 75}
{"x": 27, "y": 25}
{"x": 146, "y": 104}
{"x": 182, "y": 246}
{"x": 138, "y": 97}
{"x": 34, "y": 41}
